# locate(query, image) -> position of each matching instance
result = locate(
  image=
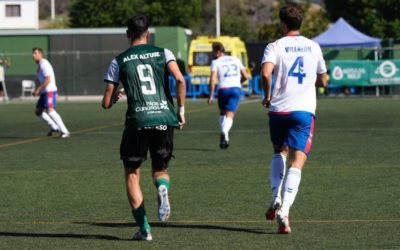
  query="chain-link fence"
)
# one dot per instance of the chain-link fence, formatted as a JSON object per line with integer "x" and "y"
{"x": 80, "y": 73}
{"x": 77, "y": 72}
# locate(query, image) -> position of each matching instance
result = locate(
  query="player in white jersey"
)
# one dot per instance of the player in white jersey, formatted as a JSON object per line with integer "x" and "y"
{"x": 299, "y": 67}
{"x": 230, "y": 73}
{"x": 47, "y": 91}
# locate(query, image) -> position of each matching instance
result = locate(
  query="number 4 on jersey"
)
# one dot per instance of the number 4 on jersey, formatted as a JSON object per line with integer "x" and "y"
{"x": 297, "y": 70}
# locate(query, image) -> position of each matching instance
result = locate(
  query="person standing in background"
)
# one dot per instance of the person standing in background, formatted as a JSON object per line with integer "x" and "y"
{"x": 47, "y": 92}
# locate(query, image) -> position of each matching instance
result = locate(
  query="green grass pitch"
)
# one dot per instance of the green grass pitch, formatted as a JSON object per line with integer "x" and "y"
{"x": 70, "y": 194}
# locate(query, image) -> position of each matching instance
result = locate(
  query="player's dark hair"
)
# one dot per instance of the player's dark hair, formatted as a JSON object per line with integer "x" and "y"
{"x": 291, "y": 14}
{"x": 217, "y": 46}
{"x": 137, "y": 26}
{"x": 38, "y": 49}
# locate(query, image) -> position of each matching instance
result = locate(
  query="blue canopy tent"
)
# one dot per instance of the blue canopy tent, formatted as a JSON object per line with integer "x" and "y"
{"x": 342, "y": 35}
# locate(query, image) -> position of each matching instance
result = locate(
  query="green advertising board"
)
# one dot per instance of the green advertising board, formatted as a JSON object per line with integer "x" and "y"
{"x": 349, "y": 73}
{"x": 384, "y": 72}
{"x": 364, "y": 72}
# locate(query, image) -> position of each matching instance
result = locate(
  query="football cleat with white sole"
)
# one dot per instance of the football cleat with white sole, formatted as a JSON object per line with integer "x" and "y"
{"x": 223, "y": 143}
{"x": 283, "y": 224}
{"x": 164, "y": 208}
{"x": 272, "y": 210}
{"x": 65, "y": 135}
{"x": 145, "y": 236}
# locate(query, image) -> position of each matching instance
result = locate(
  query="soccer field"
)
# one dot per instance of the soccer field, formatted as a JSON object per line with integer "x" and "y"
{"x": 70, "y": 193}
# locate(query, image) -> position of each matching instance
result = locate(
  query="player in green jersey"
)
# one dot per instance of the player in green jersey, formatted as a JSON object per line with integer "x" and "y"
{"x": 151, "y": 117}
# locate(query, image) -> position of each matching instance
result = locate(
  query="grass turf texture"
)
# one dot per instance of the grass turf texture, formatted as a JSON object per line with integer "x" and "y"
{"x": 70, "y": 194}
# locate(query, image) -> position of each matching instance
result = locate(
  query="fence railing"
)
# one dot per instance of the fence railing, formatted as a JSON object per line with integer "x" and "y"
{"x": 80, "y": 73}
{"x": 200, "y": 88}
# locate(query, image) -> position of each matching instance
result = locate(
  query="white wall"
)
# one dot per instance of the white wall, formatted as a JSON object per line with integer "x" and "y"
{"x": 29, "y": 18}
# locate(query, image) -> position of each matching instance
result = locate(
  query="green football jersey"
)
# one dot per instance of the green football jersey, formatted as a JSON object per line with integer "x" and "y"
{"x": 143, "y": 73}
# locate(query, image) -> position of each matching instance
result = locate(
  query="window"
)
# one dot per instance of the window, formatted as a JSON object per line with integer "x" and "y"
{"x": 204, "y": 58}
{"x": 13, "y": 10}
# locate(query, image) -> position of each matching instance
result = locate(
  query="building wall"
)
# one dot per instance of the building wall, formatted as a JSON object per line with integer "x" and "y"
{"x": 29, "y": 15}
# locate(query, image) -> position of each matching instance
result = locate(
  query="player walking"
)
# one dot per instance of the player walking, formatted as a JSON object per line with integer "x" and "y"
{"x": 46, "y": 105}
{"x": 231, "y": 73}
{"x": 298, "y": 66}
{"x": 150, "y": 119}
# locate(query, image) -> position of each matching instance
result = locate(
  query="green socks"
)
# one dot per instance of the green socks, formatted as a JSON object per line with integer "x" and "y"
{"x": 140, "y": 213}
{"x": 141, "y": 219}
{"x": 162, "y": 181}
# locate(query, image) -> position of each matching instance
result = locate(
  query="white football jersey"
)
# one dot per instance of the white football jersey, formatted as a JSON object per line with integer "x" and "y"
{"x": 228, "y": 69}
{"x": 45, "y": 69}
{"x": 297, "y": 62}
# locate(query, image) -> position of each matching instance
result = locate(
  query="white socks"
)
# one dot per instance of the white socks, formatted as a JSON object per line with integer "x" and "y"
{"x": 291, "y": 187}
{"x": 278, "y": 169}
{"x": 221, "y": 121}
{"x": 226, "y": 126}
{"x": 57, "y": 119}
{"x": 47, "y": 119}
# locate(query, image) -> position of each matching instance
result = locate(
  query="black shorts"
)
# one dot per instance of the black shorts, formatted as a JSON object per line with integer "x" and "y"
{"x": 135, "y": 144}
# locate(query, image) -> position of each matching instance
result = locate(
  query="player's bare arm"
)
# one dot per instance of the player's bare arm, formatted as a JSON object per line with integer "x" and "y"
{"x": 244, "y": 75}
{"x": 212, "y": 83}
{"x": 266, "y": 79}
{"x": 173, "y": 69}
{"x": 109, "y": 95}
{"x": 41, "y": 86}
{"x": 322, "y": 80}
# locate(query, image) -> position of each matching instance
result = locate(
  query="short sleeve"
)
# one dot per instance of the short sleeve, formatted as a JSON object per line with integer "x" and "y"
{"x": 169, "y": 56}
{"x": 241, "y": 66}
{"x": 269, "y": 54}
{"x": 321, "y": 62}
{"x": 112, "y": 74}
{"x": 46, "y": 68}
{"x": 214, "y": 65}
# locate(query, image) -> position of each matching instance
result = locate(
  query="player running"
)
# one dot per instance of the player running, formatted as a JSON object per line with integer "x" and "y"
{"x": 150, "y": 119}
{"x": 298, "y": 65}
{"x": 231, "y": 73}
{"x": 46, "y": 105}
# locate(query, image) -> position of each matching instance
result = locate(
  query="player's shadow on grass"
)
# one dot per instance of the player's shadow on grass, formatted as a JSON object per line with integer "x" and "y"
{"x": 17, "y": 137}
{"x": 182, "y": 226}
{"x": 195, "y": 149}
{"x": 61, "y": 236}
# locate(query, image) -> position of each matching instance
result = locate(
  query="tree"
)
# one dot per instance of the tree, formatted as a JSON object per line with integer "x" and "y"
{"x": 185, "y": 13}
{"x": 377, "y": 18}
{"x": 315, "y": 22}
{"x": 106, "y": 13}
{"x": 102, "y": 13}
{"x": 237, "y": 18}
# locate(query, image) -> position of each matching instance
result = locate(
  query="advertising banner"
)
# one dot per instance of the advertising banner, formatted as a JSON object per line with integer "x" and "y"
{"x": 349, "y": 73}
{"x": 384, "y": 72}
{"x": 364, "y": 72}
